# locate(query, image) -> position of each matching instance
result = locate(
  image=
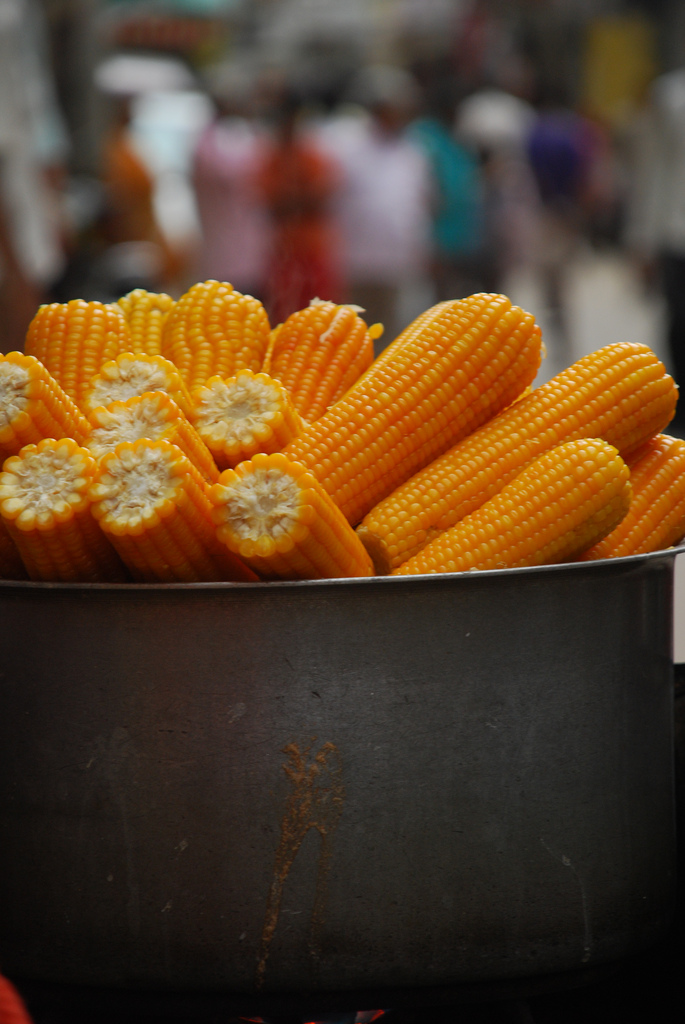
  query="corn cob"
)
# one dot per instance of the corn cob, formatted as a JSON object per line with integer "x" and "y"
{"x": 155, "y": 416}
{"x": 276, "y": 516}
{"x": 562, "y": 502}
{"x": 146, "y": 313}
{"x": 656, "y": 518}
{"x": 447, "y": 373}
{"x": 152, "y": 503}
{"x": 621, "y": 393}
{"x": 215, "y": 330}
{"x": 129, "y": 375}
{"x": 45, "y": 505}
{"x": 243, "y": 415}
{"x": 319, "y": 353}
{"x": 11, "y": 565}
{"x": 73, "y": 339}
{"x": 34, "y": 406}
{"x": 266, "y": 361}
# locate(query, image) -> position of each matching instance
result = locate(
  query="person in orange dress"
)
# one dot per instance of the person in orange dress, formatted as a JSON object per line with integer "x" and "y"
{"x": 129, "y": 211}
{"x": 298, "y": 183}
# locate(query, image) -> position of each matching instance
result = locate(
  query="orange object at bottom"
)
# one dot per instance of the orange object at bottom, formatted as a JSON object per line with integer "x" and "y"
{"x": 12, "y": 1009}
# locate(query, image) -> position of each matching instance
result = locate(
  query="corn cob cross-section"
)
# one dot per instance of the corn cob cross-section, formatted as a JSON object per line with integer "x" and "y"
{"x": 146, "y": 314}
{"x": 277, "y": 517}
{"x": 656, "y": 517}
{"x": 561, "y": 503}
{"x": 130, "y": 375}
{"x": 46, "y": 508}
{"x": 73, "y": 339}
{"x": 621, "y": 393}
{"x": 239, "y": 416}
{"x": 451, "y": 370}
{"x": 215, "y": 330}
{"x": 153, "y": 504}
{"x": 155, "y": 416}
{"x": 34, "y": 406}
{"x": 318, "y": 353}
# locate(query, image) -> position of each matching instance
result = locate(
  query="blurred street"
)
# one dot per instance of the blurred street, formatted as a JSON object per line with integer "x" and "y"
{"x": 605, "y": 302}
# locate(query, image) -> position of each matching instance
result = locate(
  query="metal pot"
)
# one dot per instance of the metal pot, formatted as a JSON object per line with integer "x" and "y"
{"x": 336, "y": 785}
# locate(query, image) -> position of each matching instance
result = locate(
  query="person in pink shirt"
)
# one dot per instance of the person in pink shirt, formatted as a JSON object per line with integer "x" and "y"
{"x": 234, "y": 224}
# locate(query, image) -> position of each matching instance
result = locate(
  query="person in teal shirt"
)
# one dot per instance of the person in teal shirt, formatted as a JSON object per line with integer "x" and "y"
{"x": 459, "y": 260}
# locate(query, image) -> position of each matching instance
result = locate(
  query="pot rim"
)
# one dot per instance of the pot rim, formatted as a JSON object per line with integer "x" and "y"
{"x": 556, "y": 568}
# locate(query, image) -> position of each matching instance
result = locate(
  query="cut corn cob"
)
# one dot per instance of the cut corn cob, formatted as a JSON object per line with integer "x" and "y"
{"x": 656, "y": 518}
{"x": 155, "y": 416}
{"x": 277, "y": 517}
{"x": 34, "y": 406}
{"x": 561, "y": 503}
{"x": 451, "y": 370}
{"x": 45, "y": 505}
{"x": 73, "y": 339}
{"x": 243, "y": 415}
{"x": 215, "y": 330}
{"x": 146, "y": 313}
{"x": 11, "y": 565}
{"x": 130, "y": 375}
{"x": 319, "y": 353}
{"x": 621, "y": 393}
{"x": 153, "y": 504}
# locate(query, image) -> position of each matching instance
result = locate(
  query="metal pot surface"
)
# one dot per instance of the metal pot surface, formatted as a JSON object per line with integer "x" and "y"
{"x": 336, "y": 785}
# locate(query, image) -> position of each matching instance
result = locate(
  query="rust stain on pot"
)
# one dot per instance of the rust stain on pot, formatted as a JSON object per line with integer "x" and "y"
{"x": 315, "y": 802}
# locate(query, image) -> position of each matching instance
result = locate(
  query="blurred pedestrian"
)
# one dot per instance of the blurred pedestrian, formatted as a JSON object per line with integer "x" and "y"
{"x": 496, "y": 123}
{"x": 458, "y": 228}
{"x": 655, "y": 214}
{"x": 136, "y": 252}
{"x": 383, "y": 207}
{"x": 33, "y": 156}
{"x": 234, "y": 223}
{"x": 298, "y": 182}
{"x": 564, "y": 149}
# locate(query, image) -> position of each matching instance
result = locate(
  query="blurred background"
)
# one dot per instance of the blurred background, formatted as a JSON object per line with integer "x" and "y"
{"x": 389, "y": 153}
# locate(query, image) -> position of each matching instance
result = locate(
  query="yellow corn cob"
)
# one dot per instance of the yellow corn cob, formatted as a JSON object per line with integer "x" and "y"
{"x": 153, "y": 504}
{"x": 243, "y": 415}
{"x": 130, "y": 375}
{"x": 155, "y": 416}
{"x": 451, "y": 370}
{"x": 11, "y": 565}
{"x": 656, "y": 518}
{"x": 215, "y": 330}
{"x": 273, "y": 334}
{"x": 34, "y": 406}
{"x": 45, "y": 505}
{"x": 319, "y": 353}
{"x": 146, "y": 313}
{"x": 565, "y": 500}
{"x": 73, "y": 339}
{"x": 277, "y": 517}
{"x": 620, "y": 393}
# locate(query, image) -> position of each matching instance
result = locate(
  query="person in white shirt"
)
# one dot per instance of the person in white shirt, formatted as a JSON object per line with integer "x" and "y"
{"x": 383, "y": 206}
